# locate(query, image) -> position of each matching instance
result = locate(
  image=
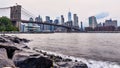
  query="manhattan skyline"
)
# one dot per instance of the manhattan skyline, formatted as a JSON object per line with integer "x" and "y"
{"x": 83, "y": 8}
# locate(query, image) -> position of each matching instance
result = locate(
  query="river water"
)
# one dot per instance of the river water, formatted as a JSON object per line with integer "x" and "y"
{"x": 97, "y": 50}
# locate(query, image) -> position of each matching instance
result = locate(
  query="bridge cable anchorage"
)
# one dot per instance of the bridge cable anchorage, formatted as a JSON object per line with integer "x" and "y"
{"x": 28, "y": 12}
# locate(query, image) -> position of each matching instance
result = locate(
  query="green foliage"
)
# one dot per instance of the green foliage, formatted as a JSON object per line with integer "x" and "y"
{"x": 6, "y": 25}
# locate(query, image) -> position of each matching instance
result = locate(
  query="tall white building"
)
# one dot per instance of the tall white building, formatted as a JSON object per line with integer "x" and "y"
{"x": 69, "y": 16}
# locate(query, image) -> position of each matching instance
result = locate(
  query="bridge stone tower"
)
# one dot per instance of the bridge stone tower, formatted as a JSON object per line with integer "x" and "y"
{"x": 15, "y": 12}
{"x": 15, "y": 15}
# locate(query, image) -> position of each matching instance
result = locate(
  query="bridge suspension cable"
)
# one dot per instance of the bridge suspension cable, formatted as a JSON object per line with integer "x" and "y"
{"x": 5, "y": 11}
{"x": 27, "y": 13}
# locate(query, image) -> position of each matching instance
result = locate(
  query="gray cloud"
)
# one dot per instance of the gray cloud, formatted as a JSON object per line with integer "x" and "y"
{"x": 102, "y": 15}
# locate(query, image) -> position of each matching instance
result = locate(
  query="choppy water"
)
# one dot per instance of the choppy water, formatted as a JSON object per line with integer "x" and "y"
{"x": 95, "y": 49}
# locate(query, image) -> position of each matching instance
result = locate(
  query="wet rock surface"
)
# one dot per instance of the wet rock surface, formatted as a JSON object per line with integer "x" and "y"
{"x": 15, "y": 39}
{"x": 4, "y": 61}
{"x": 70, "y": 65}
{"x": 31, "y": 60}
{"x": 14, "y": 53}
{"x": 60, "y": 62}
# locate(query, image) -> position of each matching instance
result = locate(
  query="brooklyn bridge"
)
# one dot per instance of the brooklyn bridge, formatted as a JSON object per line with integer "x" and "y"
{"x": 16, "y": 13}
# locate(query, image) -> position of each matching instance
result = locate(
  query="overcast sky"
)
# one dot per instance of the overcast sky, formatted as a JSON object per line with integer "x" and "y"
{"x": 84, "y": 8}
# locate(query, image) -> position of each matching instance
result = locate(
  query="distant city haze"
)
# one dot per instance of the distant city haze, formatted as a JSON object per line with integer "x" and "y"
{"x": 103, "y": 9}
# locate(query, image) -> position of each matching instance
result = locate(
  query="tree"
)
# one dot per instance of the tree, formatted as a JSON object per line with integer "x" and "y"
{"x": 6, "y": 25}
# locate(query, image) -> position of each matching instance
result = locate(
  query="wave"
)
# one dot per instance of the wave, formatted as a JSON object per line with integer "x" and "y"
{"x": 90, "y": 63}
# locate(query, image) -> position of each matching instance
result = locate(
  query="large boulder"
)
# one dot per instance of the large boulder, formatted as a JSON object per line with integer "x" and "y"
{"x": 4, "y": 61}
{"x": 13, "y": 39}
{"x": 29, "y": 60}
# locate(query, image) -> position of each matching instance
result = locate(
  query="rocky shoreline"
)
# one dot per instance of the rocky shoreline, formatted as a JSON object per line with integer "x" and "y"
{"x": 15, "y": 54}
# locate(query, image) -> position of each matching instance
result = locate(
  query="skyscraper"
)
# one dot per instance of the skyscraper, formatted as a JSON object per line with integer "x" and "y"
{"x": 69, "y": 16}
{"x": 62, "y": 20}
{"x": 38, "y": 19}
{"x": 56, "y": 21}
{"x": 47, "y": 19}
{"x": 92, "y": 22}
{"x": 50, "y": 26}
{"x": 75, "y": 21}
{"x": 81, "y": 26}
{"x": 47, "y": 27}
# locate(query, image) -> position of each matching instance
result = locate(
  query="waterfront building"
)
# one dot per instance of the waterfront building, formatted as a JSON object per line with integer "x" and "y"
{"x": 38, "y": 19}
{"x": 47, "y": 27}
{"x": 62, "y": 20}
{"x": 69, "y": 16}
{"x": 31, "y": 27}
{"x": 70, "y": 23}
{"x": 81, "y": 26}
{"x": 38, "y": 26}
{"x": 56, "y": 21}
{"x": 47, "y": 19}
{"x": 92, "y": 22}
{"x": 50, "y": 26}
{"x": 62, "y": 23}
{"x": 75, "y": 21}
{"x": 31, "y": 19}
{"x": 31, "y": 24}
{"x": 22, "y": 27}
{"x": 51, "y": 21}
{"x": 110, "y": 23}
{"x": 99, "y": 25}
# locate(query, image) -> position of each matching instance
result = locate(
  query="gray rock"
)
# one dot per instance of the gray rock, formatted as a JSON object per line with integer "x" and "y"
{"x": 28, "y": 60}
{"x": 4, "y": 61}
{"x": 70, "y": 65}
{"x": 2, "y": 40}
{"x": 13, "y": 48}
{"x": 80, "y": 65}
{"x": 25, "y": 46}
{"x": 3, "y": 53}
{"x": 14, "y": 39}
{"x": 10, "y": 49}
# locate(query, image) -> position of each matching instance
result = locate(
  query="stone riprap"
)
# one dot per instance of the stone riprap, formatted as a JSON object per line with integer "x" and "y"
{"x": 15, "y": 54}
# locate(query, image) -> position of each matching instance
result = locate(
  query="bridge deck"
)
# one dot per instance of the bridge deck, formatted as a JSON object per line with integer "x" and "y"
{"x": 46, "y": 23}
